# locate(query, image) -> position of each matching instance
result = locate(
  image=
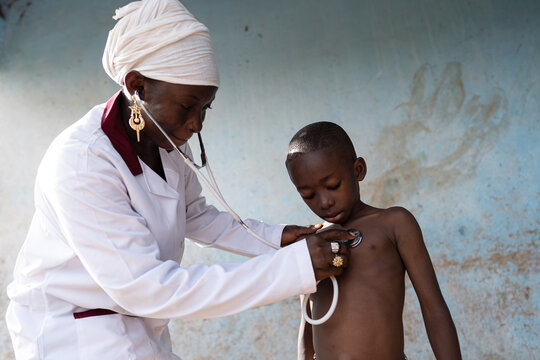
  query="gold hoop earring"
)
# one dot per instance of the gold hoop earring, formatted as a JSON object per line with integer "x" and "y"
{"x": 136, "y": 121}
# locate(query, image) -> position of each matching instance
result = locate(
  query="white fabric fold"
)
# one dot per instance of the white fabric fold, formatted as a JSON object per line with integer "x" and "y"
{"x": 163, "y": 41}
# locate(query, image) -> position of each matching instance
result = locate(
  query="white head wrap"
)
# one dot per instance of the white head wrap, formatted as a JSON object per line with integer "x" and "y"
{"x": 161, "y": 40}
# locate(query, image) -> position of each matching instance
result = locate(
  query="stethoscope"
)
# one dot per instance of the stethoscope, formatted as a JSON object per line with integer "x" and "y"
{"x": 211, "y": 184}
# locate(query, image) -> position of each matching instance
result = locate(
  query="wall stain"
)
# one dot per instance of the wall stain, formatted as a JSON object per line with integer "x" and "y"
{"x": 441, "y": 137}
{"x": 524, "y": 259}
{"x": 6, "y": 6}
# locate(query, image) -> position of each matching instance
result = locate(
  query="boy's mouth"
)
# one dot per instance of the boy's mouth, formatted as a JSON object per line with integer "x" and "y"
{"x": 334, "y": 218}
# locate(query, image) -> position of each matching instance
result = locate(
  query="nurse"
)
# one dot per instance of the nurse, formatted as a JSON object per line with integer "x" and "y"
{"x": 99, "y": 274}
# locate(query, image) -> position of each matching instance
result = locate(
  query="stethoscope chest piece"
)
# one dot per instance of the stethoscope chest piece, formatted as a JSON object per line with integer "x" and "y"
{"x": 357, "y": 240}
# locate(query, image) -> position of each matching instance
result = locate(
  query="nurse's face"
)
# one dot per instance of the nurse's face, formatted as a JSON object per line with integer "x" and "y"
{"x": 179, "y": 109}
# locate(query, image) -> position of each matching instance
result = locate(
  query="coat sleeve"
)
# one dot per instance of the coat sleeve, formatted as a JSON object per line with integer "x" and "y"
{"x": 92, "y": 208}
{"x": 209, "y": 227}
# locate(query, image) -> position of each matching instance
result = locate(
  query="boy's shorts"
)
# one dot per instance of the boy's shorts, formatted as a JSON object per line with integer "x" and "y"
{"x": 404, "y": 357}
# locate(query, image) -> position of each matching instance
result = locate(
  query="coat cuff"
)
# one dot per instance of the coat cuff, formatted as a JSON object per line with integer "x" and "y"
{"x": 306, "y": 275}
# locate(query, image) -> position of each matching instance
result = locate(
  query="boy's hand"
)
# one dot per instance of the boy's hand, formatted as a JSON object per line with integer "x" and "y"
{"x": 293, "y": 233}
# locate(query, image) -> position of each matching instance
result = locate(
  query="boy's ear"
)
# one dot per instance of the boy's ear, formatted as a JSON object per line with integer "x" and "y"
{"x": 360, "y": 169}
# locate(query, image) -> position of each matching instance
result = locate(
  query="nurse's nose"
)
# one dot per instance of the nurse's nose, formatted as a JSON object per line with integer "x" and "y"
{"x": 196, "y": 123}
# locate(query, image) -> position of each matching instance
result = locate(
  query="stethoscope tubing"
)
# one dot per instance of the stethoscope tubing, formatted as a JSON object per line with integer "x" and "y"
{"x": 211, "y": 184}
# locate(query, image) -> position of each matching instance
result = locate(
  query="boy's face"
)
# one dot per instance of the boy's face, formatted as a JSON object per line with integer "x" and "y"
{"x": 328, "y": 183}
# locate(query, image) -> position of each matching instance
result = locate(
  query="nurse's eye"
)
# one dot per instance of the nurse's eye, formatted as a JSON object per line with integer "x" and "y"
{"x": 334, "y": 187}
{"x": 186, "y": 107}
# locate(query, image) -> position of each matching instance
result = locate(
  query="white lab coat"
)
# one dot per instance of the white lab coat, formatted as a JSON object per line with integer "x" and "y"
{"x": 108, "y": 233}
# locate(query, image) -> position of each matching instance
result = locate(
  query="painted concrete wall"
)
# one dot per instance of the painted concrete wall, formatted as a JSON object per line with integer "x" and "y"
{"x": 442, "y": 98}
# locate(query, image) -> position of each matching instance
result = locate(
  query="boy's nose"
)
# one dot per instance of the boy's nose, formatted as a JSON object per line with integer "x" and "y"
{"x": 326, "y": 202}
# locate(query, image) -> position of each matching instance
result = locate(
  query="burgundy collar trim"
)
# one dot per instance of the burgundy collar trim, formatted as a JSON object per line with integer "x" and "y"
{"x": 111, "y": 124}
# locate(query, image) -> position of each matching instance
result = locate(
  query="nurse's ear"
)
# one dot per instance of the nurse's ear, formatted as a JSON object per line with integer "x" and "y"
{"x": 134, "y": 80}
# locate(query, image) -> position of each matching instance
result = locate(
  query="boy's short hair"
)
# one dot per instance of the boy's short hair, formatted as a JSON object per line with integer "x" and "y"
{"x": 318, "y": 136}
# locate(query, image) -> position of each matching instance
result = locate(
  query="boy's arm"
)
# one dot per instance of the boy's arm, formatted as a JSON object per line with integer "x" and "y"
{"x": 305, "y": 337}
{"x": 437, "y": 319}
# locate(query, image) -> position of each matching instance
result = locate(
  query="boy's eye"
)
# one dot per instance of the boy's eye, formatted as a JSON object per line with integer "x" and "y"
{"x": 307, "y": 196}
{"x": 186, "y": 107}
{"x": 334, "y": 187}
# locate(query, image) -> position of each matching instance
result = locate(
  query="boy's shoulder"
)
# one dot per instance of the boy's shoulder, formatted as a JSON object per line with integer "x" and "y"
{"x": 392, "y": 214}
{"x": 397, "y": 213}
{"x": 391, "y": 220}
{"x": 397, "y": 216}
{"x": 399, "y": 222}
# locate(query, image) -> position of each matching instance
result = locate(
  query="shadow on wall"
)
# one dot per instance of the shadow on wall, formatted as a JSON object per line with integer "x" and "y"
{"x": 424, "y": 160}
{"x": 7, "y": 5}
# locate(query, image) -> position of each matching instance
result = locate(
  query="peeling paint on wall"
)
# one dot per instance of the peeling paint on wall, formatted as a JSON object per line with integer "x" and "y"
{"x": 441, "y": 137}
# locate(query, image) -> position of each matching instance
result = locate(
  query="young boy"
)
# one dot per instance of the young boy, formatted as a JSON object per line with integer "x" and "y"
{"x": 367, "y": 323}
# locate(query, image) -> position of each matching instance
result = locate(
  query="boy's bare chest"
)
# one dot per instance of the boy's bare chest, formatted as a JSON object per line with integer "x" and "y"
{"x": 371, "y": 293}
{"x": 377, "y": 250}
{"x": 374, "y": 262}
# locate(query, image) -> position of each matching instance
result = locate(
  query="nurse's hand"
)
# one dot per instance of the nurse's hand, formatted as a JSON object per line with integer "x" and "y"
{"x": 293, "y": 233}
{"x": 323, "y": 259}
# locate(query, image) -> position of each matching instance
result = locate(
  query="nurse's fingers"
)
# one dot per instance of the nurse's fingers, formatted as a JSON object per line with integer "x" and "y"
{"x": 326, "y": 261}
{"x": 293, "y": 233}
{"x": 332, "y": 266}
{"x": 336, "y": 235}
{"x": 337, "y": 261}
{"x": 338, "y": 264}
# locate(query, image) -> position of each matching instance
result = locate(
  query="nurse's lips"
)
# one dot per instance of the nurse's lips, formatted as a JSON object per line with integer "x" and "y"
{"x": 334, "y": 218}
{"x": 179, "y": 139}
